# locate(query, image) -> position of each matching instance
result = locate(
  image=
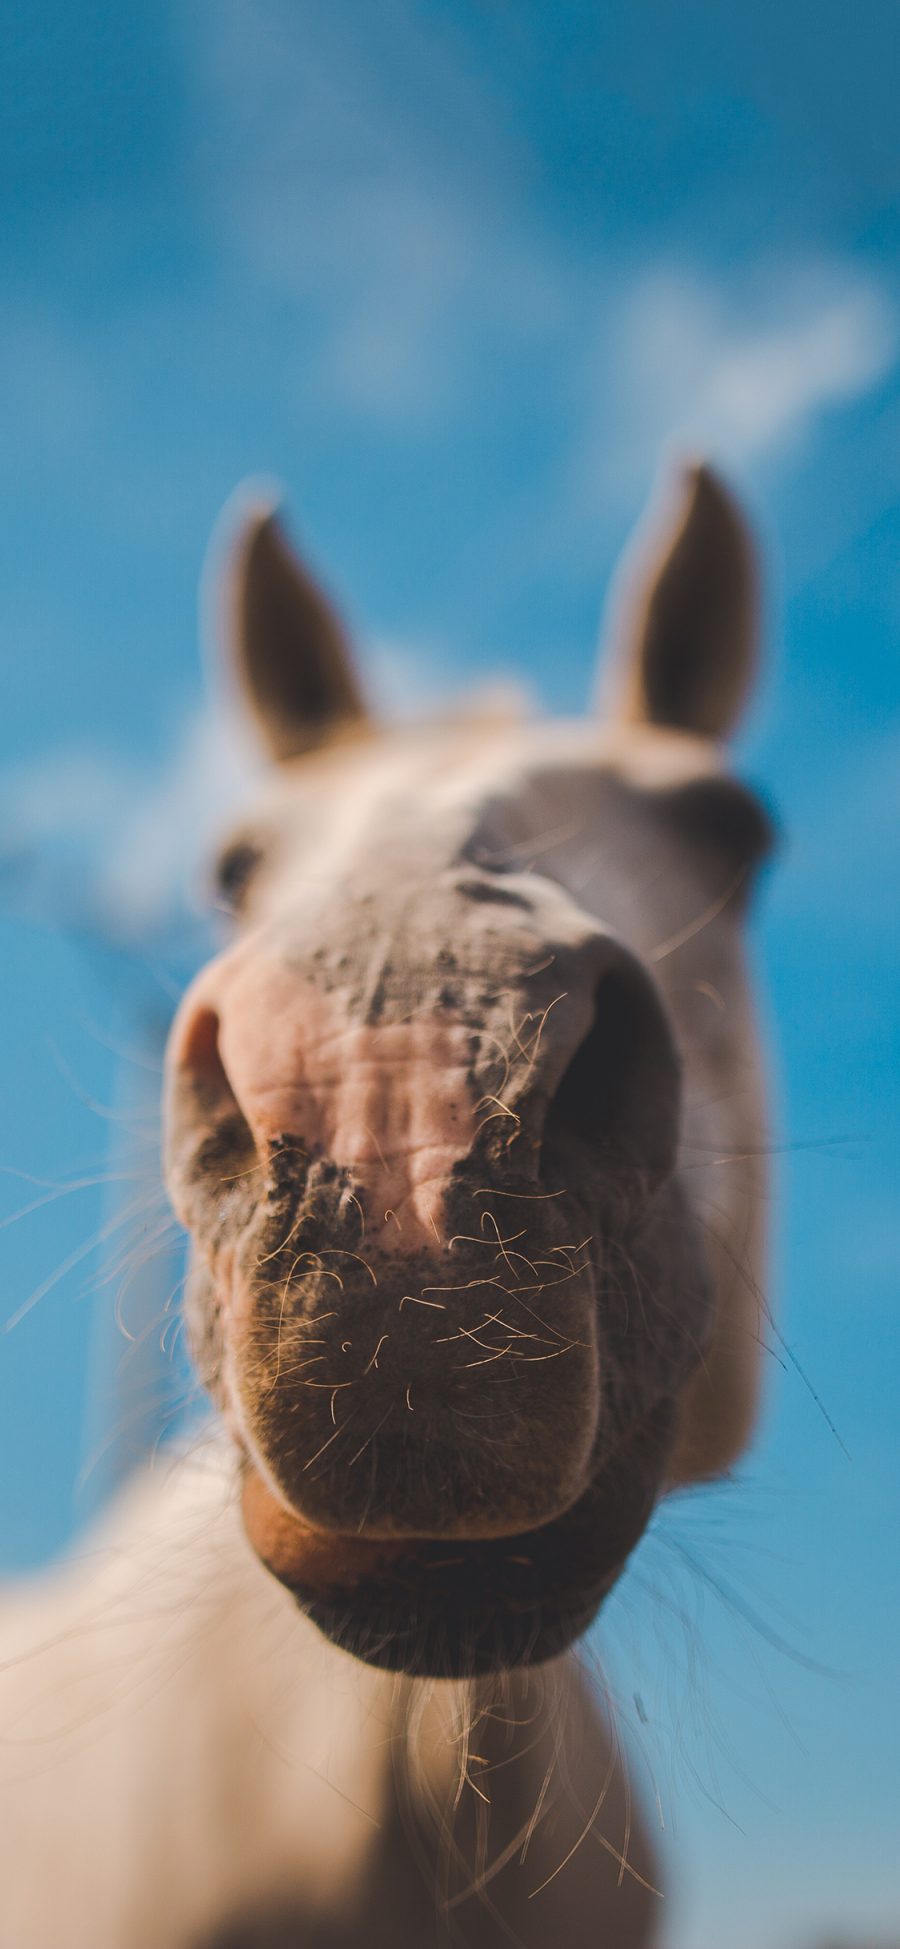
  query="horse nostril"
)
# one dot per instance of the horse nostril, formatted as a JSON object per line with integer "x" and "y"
{"x": 620, "y": 1095}
{"x": 200, "y": 1059}
{"x": 205, "y": 1121}
{"x": 207, "y": 1137}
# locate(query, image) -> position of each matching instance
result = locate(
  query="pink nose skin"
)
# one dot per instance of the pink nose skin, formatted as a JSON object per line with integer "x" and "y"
{"x": 392, "y": 1101}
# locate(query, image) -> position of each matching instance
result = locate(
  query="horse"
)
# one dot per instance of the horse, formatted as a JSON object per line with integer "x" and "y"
{"x": 474, "y": 1086}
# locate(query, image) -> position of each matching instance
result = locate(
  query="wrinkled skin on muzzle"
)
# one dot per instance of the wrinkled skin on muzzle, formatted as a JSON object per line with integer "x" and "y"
{"x": 425, "y": 1120}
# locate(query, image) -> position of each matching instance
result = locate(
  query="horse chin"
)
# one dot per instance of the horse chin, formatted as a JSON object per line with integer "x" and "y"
{"x": 467, "y": 1644}
{"x": 457, "y": 1608}
{"x": 427, "y": 1608}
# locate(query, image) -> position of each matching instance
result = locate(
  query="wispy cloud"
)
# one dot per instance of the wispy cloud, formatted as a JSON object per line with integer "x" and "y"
{"x": 366, "y": 181}
{"x": 744, "y": 368}
{"x": 99, "y": 842}
{"x": 748, "y": 367}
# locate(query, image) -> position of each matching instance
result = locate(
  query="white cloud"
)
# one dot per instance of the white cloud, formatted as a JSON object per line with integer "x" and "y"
{"x": 406, "y": 680}
{"x": 414, "y": 681}
{"x": 366, "y": 179}
{"x": 97, "y": 842}
{"x": 764, "y": 389}
{"x": 746, "y": 368}
{"x": 741, "y": 367}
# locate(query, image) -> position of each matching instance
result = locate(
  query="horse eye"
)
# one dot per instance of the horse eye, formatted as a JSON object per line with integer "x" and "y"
{"x": 234, "y": 870}
{"x": 725, "y": 814}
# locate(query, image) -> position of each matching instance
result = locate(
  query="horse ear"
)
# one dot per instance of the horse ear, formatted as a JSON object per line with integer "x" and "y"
{"x": 687, "y": 618}
{"x": 287, "y": 645}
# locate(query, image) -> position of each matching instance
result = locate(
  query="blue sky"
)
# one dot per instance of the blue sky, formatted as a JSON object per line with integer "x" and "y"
{"x": 459, "y": 275}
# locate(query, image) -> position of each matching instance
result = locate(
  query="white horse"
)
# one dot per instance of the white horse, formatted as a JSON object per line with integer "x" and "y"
{"x": 466, "y": 1128}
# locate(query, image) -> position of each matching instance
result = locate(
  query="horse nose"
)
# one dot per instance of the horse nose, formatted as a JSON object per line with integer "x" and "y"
{"x": 615, "y": 1108}
{"x": 409, "y": 1378}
